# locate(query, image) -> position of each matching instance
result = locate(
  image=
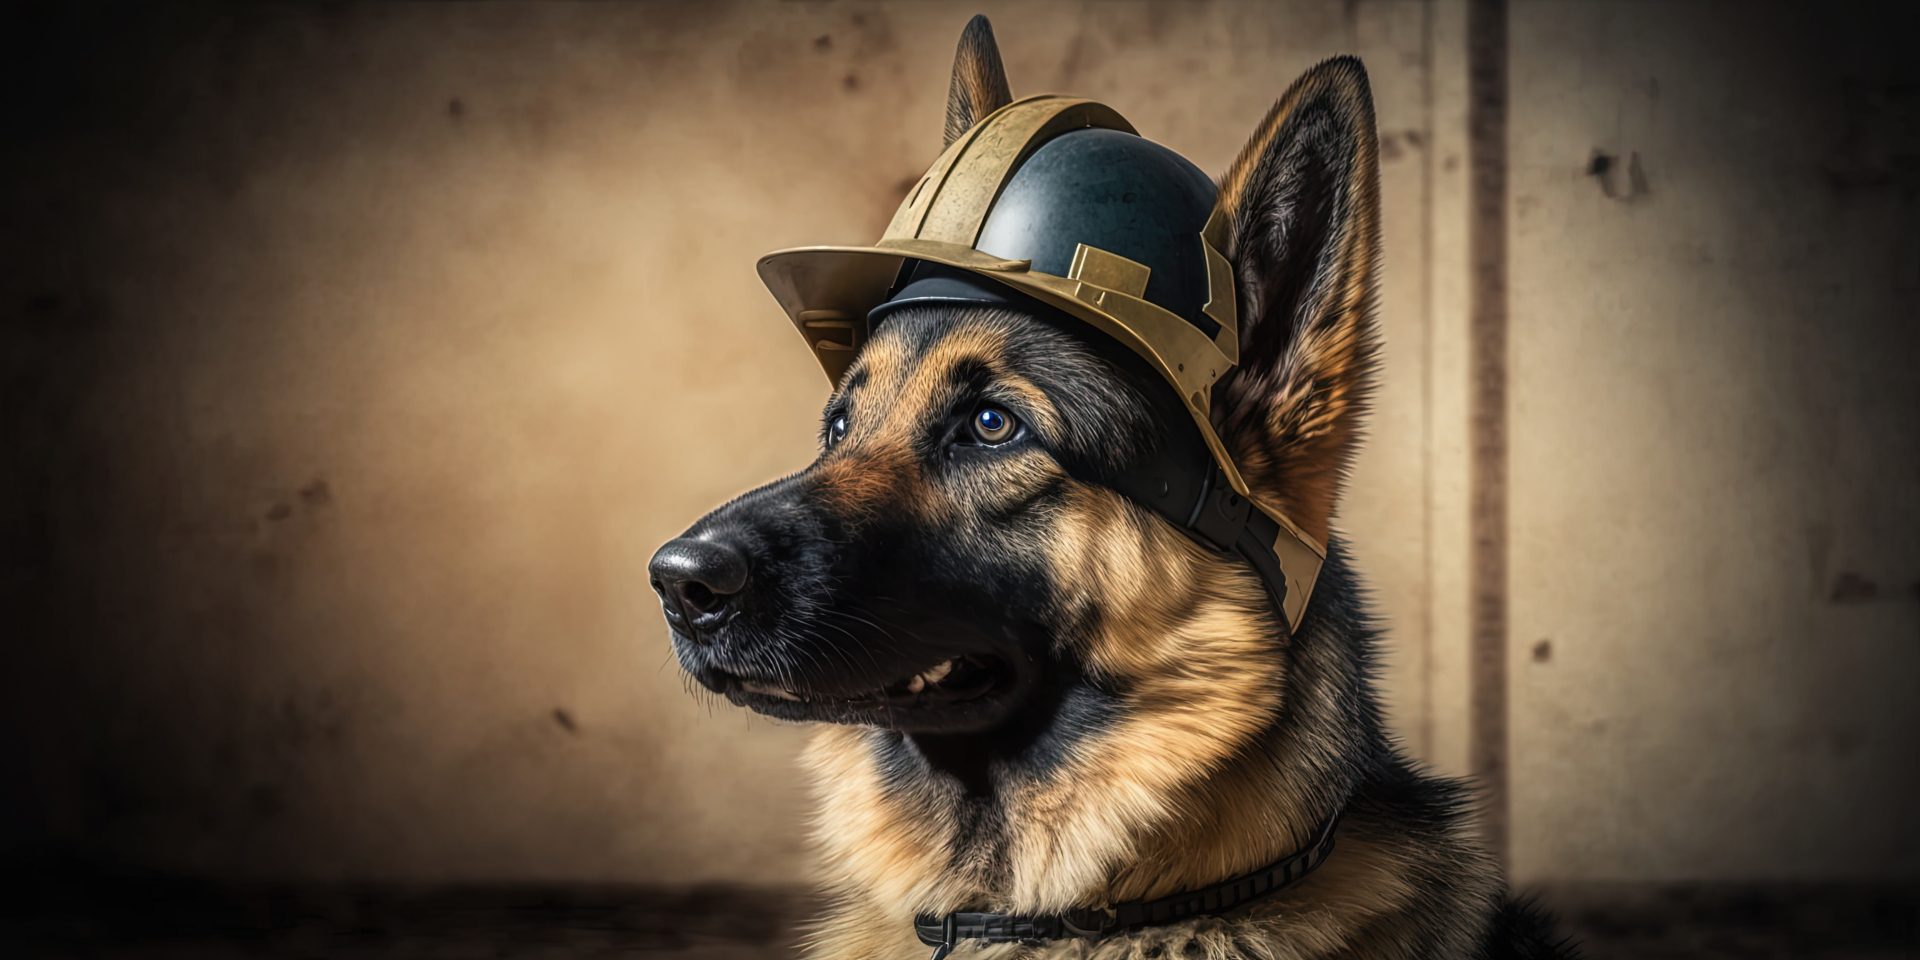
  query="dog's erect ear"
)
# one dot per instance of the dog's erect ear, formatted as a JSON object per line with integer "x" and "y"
{"x": 979, "y": 80}
{"x": 1303, "y": 206}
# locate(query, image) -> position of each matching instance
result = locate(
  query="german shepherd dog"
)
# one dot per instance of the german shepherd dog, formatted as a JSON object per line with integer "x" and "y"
{"x": 1035, "y": 695}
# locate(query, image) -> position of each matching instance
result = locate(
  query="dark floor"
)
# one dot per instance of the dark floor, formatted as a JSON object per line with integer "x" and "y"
{"x": 1828, "y": 922}
{"x": 162, "y": 921}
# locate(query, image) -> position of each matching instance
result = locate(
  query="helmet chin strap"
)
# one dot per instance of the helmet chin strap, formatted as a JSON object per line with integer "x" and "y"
{"x": 1178, "y": 479}
{"x": 1191, "y": 491}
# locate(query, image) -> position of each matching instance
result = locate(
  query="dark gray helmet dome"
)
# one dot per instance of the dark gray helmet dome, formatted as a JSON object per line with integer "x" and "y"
{"x": 1114, "y": 191}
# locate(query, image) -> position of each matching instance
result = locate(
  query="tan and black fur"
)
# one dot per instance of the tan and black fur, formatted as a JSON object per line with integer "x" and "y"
{"x": 1151, "y": 728}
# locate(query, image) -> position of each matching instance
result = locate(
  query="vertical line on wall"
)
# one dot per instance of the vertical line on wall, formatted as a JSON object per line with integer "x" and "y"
{"x": 1427, "y": 361}
{"x": 1487, "y": 408}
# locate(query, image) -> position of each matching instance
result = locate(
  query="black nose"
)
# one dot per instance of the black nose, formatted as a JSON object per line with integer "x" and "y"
{"x": 697, "y": 579}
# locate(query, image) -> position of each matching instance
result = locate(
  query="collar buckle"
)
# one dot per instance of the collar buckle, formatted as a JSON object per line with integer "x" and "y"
{"x": 947, "y": 939}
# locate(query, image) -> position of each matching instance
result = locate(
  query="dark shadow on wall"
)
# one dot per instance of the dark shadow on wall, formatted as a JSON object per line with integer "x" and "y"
{"x": 92, "y": 107}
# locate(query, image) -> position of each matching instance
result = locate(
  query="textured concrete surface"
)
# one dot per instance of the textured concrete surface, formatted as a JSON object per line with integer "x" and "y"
{"x": 1716, "y": 459}
{"x": 362, "y": 355}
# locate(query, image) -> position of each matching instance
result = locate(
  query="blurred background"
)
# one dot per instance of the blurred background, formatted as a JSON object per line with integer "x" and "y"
{"x": 357, "y": 357}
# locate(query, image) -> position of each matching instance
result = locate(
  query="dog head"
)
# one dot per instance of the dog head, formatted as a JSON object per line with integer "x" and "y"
{"x": 957, "y": 563}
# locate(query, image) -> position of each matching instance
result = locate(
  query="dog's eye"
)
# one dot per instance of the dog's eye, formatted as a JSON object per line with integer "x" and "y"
{"x": 837, "y": 430}
{"x": 993, "y": 426}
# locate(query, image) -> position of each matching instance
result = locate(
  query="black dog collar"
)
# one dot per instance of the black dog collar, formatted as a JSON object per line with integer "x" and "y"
{"x": 1097, "y": 923}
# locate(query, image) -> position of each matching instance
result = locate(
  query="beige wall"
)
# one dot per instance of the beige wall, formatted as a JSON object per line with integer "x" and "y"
{"x": 1714, "y": 400}
{"x": 413, "y": 331}
{"x": 365, "y": 356}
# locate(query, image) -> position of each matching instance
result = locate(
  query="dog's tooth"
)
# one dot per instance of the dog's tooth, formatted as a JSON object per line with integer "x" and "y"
{"x": 938, "y": 673}
{"x": 765, "y": 690}
{"x": 917, "y": 684}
